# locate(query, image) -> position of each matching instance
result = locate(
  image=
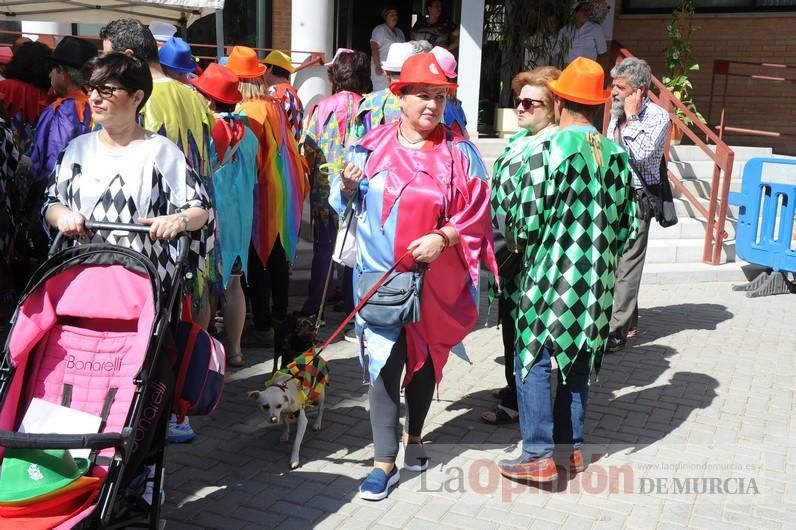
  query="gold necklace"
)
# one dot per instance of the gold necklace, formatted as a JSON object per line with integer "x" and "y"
{"x": 401, "y": 134}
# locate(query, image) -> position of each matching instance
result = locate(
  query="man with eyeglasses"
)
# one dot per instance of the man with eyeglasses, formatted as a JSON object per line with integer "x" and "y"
{"x": 642, "y": 128}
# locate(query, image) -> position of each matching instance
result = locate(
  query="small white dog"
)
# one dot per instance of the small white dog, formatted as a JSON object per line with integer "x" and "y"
{"x": 283, "y": 400}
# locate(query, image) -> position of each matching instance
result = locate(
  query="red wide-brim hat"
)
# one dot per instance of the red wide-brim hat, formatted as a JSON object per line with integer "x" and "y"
{"x": 219, "y": 83}
{"x": 422, "y": 69}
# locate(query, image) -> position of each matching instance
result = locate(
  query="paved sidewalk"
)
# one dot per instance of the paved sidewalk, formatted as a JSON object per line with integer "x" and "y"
{"x": 692, "y": 425}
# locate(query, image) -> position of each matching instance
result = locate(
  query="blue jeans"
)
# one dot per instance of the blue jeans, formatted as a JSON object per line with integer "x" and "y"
{"x": 544, "y": 424}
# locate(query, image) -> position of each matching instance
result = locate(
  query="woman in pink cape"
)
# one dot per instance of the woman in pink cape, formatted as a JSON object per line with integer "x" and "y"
{"x": 415, "y": 187}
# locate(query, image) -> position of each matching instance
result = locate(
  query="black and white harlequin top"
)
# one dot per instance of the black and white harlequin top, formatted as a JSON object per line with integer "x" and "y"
{"x": 145, "y": 179}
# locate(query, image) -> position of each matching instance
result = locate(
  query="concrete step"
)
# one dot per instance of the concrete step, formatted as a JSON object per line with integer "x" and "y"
{"x": 703, "y": 170}
{"x": 669, "y": 251}
{"x": 490, "y": 147}
{"x": 688, "y": 228}
{"x": 686, "y": 209}
{"x": 693, "y": 153}
{"x": 677, "y": 273}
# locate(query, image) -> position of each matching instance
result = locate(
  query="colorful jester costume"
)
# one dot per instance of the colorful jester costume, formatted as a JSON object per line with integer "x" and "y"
{"x": 282, "y": 183}
{"x": 63, "y": 120}
{"x": 234, "y": 179}
{"x": 310, "y": 375}
{"x": 407, "y": 193}
{"x": 377, "y": 108}
{"x": 178, "y": 113}
{"x": 573, "y": 214}
{"x": 325, "y": 139}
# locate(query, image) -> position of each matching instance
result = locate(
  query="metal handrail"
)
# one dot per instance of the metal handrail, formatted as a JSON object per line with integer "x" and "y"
{"x": 313, "y": 59}
{"x": 723, "y": 67}
{"x": 723, "y": 158}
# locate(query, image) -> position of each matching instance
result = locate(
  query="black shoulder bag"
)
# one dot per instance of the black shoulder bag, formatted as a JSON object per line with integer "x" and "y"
{"x": 661, "y": 204}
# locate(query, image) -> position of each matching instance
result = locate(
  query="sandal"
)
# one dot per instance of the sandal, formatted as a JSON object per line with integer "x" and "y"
{"x": 500, "y": 416}
{"x": 236, "y": 360}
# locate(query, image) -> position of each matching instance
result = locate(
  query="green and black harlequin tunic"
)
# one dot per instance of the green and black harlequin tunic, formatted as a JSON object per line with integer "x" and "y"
{"x": 507, "y": 172}
{"x": 574, "y": 215}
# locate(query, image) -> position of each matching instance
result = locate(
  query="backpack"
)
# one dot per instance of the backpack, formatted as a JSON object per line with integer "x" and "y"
{"x": 199, "y": 371}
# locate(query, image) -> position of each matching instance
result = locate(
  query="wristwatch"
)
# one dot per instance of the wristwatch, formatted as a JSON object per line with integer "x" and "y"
{"x": 632, "y": 117}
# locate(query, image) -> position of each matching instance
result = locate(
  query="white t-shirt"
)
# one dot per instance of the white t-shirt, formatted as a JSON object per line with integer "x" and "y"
{"x": 587, "y": 41}
{"x": 383, "y": 36}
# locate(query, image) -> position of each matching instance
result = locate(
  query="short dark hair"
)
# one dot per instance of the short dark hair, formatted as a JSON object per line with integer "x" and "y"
{"x": 350, "y": 71}
{"x": 223, "y": 107}
{"x": 278, "y": 71}
{"x": 580, "y": 108}
{"x": 127, "y": 33}
{"x": 131, "y": 73}
{"x": 30, "y": 65}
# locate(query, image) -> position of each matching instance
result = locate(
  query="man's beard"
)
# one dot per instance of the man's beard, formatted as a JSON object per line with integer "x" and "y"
{"x": 617, "y": 108}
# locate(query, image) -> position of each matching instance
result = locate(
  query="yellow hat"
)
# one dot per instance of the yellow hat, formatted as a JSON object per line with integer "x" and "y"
{"x": 280, "y": 59}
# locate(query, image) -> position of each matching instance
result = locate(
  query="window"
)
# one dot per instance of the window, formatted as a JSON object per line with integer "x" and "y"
{"x": 630, "y": 7}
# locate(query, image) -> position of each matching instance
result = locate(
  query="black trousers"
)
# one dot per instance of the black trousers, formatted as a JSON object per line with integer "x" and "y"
{"x": 508, "y": 331}
{"x": 268, "y": 286}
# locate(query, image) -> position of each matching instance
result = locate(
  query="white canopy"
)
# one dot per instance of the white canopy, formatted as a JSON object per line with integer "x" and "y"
{"x": 102, "y": 11}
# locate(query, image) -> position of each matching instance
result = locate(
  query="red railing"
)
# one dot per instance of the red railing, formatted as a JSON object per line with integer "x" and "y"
{"x": 723, "y": 67}
{"x": 722, "y": 157}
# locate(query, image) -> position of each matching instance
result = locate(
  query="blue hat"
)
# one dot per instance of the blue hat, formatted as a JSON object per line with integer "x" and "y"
{"x": 176, "y": 54}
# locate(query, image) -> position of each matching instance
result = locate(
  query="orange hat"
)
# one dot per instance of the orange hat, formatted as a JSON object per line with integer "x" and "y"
{"x": 581, "y": 82}
{"x": 244, "y": 63}
{"x": 422, "y": 69}
{"x": 218, "y": 83}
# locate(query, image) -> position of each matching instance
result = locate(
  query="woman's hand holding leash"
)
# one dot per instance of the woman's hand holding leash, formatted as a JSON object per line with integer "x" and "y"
{"x": 349, "y": 180}
{"x": 428, "y": 248}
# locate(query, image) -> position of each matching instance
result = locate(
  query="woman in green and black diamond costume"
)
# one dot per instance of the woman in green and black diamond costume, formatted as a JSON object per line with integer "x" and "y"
{"x": 536, "y": 118}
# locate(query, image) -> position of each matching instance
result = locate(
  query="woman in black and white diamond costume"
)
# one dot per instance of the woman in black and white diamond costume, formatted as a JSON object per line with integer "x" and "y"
{"x": 126, "y": 174}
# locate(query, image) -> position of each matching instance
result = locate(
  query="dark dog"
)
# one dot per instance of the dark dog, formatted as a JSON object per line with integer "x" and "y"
{"x": 294, "y": 336}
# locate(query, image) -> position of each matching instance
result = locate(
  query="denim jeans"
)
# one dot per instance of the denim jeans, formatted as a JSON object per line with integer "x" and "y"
{"x": 544, "y": 424}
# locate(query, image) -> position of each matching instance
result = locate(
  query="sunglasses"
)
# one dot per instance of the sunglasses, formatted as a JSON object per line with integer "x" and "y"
{"x": 105, "y": 91}
{"x": 527, "y": 103}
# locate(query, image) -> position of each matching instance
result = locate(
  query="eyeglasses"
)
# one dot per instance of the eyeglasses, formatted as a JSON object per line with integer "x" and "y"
{"x": 105, "y": 91}
{"x": 527, "y": 103}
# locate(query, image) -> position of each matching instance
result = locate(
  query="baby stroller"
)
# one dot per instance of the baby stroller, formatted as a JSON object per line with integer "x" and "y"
{"x": 89, "y": 334}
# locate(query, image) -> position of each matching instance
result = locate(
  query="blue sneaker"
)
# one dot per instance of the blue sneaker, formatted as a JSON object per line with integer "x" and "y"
{"x": 179, "y": 433}
{"x": 377, "y": 485}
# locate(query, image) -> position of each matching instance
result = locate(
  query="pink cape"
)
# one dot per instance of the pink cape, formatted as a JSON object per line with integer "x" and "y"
{"x": 449, "y": 309}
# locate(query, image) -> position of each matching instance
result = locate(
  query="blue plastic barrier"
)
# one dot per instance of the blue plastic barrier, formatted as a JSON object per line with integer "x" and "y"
{"x": 759, "y": 202}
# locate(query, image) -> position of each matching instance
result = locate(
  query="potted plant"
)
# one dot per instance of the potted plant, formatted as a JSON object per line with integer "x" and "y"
{"x": 680, "y": 62}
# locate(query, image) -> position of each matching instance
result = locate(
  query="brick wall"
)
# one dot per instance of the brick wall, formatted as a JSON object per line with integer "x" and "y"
{"x": 280, "y": 24}
{"x": 753, "y": 104}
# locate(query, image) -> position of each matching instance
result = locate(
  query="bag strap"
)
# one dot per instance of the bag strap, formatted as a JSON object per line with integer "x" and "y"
{"x": 361, "y": 304}
{"x": 632, "y": 163}
{"x": 185, "y": 362}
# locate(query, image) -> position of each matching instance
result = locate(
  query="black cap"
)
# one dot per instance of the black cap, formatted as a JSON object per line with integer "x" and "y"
{"x": 74, "y": 52}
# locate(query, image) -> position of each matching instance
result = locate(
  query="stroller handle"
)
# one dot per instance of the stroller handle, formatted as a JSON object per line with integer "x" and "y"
{"x": 183, "y": 242}
{"x": 64, "y": 441}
